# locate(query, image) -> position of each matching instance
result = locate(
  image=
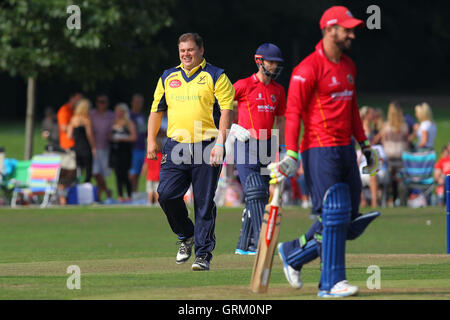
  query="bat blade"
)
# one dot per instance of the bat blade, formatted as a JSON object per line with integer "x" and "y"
{"x": 270, "y": 229}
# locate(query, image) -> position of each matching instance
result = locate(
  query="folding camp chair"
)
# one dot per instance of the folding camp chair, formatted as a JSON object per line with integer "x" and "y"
{"x": 19, "y": 179}
{"x": 43, "y": 178}
{"x": 417, "y": 174}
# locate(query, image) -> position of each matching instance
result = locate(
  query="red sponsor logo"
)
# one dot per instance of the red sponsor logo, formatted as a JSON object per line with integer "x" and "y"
{"x": 175, "y": 83}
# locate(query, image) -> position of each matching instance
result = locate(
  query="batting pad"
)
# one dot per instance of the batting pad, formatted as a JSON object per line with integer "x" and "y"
{"x": 336, "y": 211}
{"x": 357, "y": 226}
{"x": 256, "y": 197}
{"x": 303, "y": 254}
{"x": 246, "y": 231}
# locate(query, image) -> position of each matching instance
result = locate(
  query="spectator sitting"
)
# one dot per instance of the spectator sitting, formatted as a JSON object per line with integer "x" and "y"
{"x": 441, "y": 170}
{"x": 394, "y": 138}
{"x": 426, "y": 129}
{"x": 367, "y": 115}
{"x": 373, "y": 182}
{"x": 377, "y": 125}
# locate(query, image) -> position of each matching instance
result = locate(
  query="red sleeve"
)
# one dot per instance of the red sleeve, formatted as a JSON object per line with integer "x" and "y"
{"x": 357, "y": 127}
{"x": 300, "y": 90}
{"x": 239, "y": 87}
{"x": 281, "y": 107}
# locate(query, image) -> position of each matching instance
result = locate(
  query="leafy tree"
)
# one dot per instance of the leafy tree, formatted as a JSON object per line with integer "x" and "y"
{"x": 115, "y": 37}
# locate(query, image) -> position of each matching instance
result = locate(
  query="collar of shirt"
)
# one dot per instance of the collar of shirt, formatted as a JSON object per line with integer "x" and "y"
{"x": 193, "y": 70}
{"x": 256, "y": 80}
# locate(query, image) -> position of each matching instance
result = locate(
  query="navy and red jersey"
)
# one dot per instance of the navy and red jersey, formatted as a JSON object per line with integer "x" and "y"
{"x": 258, "y": 104}
{"x": 322, "y": 95}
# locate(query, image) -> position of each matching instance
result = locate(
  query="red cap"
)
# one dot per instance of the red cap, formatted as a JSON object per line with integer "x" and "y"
{"x": 341, "y": 16}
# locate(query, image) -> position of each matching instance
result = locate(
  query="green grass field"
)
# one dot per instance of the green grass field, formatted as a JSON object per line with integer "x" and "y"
{"x": 129, "y": 253}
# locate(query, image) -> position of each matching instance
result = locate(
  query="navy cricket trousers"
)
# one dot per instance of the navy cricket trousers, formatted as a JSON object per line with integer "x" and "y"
{"x": 326, "y": 166}
{"x": 181, "y": 165}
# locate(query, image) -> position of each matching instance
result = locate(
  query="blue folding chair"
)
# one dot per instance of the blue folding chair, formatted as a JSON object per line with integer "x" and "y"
{"x": 417, "y": 174}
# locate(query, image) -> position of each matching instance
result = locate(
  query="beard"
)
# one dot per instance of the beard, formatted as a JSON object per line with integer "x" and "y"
{"x": 343, "y": 45}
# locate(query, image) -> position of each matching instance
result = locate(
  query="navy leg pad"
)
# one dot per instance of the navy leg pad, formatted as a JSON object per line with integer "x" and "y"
{"x": 256, "y": 197}
{"x": 357, "y": 226}
{"x": 306, "y": 252}
{"x": 336, "y": 211}
{"x": 246, "y": 232}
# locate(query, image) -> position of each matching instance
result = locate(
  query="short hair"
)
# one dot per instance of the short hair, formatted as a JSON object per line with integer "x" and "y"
{"x": 364, "y": 111}
{"x": 423, "y": 111}
{"x": 191, "y": 36}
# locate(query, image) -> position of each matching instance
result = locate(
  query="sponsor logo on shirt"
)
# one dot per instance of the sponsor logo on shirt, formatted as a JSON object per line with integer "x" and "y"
{"x": 175, "y": 83}
{"x": 202, "y": 80}
{"x": 334, "y": 82}
{"x": 299, "y": 77}
{"x": 266, "y": 108}
{"x": 342, "y": 95}
{"x": 260, "y": 97}
{"x": 350, "y": 79}
{"x": 185, "y": 98}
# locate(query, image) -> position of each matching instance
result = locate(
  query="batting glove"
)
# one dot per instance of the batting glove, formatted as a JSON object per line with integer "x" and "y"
{"x": 239, "y": 132}
{"x": 279, "y": 171}
{"x": 372, "y": 158}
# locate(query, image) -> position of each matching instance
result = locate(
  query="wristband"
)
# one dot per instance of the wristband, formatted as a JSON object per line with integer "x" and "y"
{"x": 364, "y": 144}
{"x": 220, "y": 145}
{"x": 292, "y": 154}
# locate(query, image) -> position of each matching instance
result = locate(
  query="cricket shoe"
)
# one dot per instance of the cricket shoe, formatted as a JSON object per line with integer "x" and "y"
{"x": 245, "y": 252}
{"x": 292, "y": 275}
{"x": 201, "y": 263}
{"x": 185, "y": 250}
{"x": 339, "y": 290}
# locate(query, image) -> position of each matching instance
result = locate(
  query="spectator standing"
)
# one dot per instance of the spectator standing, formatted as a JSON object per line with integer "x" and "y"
{"x": 80, "y": 129}
{"x": 152, "y": 169}
{"x": 50, "y": 130}
{"x": 139, "y": 148}
{"x": 102, "y": 120}
{"x": 123, "y": 135}
{"x": 426, "y": 129}
{"x": 68, "y": 173}
{"x": 394, "y": 137}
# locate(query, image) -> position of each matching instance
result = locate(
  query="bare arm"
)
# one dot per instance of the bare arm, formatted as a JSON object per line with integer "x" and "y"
{"x": 154, "y": 123}
{"x": 217, "y": 153}
{"x": 133, "y": 131}
{"x": 279, "y": 123}
{"x": 89, "y": 134}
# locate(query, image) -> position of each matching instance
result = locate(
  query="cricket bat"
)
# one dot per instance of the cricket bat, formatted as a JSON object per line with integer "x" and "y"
{"x": 270, "y": 229}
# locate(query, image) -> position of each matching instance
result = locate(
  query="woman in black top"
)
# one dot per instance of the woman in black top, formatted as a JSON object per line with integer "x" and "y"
{"x": 80, "y": 129}
{"x": 123, "y": 135}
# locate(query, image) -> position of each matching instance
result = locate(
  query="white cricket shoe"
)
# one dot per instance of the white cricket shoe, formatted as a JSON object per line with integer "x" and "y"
{"x": 339, "y": 290}
{"x": 185, "y": 250}
{"x": 292, "y": 275}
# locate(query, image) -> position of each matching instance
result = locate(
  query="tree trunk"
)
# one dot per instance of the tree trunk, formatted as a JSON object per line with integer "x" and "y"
{"x": 29, "y": 121}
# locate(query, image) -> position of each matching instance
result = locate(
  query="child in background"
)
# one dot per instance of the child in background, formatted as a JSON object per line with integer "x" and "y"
{"x": 152, "y": 169}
